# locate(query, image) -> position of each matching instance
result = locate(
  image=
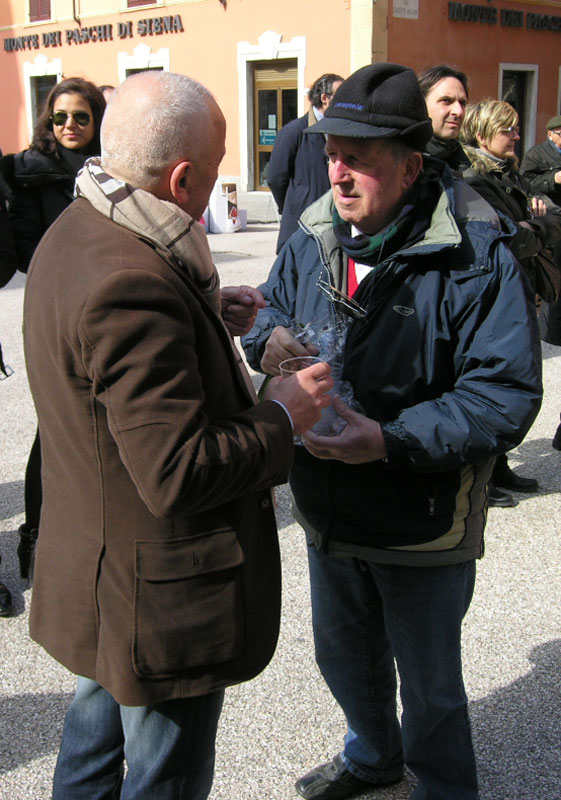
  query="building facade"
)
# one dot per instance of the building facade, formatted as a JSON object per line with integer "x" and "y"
{"x": 258, "y": 56}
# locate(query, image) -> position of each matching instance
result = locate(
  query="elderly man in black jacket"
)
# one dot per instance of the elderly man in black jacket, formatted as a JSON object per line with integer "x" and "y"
{"x": 297, "y": 173}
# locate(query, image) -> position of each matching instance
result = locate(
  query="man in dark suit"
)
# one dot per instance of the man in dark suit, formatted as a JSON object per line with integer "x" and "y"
{"x": 297, "y": 172}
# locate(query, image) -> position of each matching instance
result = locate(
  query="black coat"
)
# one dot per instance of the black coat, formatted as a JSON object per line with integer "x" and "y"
{"x": 508, "y": 192}
{"x": 539, "y": 166}
{"x": 297, "y": 173}
{"x": 8, "y": 257}
{"x": 41, "y": 187}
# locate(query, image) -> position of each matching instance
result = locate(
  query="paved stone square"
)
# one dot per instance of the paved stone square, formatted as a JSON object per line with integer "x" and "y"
{"x": 285, "y": 721}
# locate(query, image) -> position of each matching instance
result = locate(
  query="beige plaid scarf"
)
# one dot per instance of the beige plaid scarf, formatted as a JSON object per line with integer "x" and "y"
{"x": 162, "y": 223}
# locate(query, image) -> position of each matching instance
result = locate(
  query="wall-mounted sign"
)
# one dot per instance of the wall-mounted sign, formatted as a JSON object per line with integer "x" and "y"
{"x": 153, "y": 26}
{"x": 408, "y": 9}
{"x": 267, "y": 137}
{"x": 507, "y": 17}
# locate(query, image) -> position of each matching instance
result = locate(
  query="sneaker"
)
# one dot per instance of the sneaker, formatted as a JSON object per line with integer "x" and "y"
{"x": 556, "y": 443}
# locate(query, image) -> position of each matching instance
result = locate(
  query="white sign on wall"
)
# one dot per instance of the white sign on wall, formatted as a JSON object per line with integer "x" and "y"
{"x": 409, "y": 9}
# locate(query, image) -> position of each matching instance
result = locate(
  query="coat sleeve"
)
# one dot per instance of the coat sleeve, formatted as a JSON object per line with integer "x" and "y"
{"x": 497, "y": 392}
{"x": 140, "y": 350}
{"x": 26, "y": 216}
{"x": 280, "y": 291}
{"x": 539, "y": 175}
{"x": 527, "y": 241}
{"x": 281, "y": 165}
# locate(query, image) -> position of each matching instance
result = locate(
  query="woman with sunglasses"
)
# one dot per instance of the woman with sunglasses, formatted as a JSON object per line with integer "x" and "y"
{"x": 42, "y": 177}
{"x": 41, "y": 181}
{"x": 489, "y": 134}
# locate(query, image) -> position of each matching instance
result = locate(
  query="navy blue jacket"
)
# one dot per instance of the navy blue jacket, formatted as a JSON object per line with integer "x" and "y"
{"x": 447, "y": 360}
{"x": 297, "y": 172}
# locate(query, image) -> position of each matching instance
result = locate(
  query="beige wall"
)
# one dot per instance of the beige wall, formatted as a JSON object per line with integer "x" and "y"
{"x": 207, "y": 50}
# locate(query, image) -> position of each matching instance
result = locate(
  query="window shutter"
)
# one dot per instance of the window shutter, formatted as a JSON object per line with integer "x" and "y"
{"x": 39, "y": 10}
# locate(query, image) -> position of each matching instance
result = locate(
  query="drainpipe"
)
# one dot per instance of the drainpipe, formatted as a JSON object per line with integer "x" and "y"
{"x": 75, "y": 12}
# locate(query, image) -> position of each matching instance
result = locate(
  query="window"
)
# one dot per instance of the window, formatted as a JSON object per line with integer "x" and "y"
{"x": 133, "y": 3}
{"x": 40, "y": 87}
{"x": 39, "y": 10}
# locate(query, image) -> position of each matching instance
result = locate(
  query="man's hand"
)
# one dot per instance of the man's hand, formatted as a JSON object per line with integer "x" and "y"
{"x": 240, "y": 305}
{"x": 304, "y": 394}
{"x": 360, "y": 441}
{"x": 281, "y": 345}
{"x": 538, "y": 206}
{"x": 557, "y": 176}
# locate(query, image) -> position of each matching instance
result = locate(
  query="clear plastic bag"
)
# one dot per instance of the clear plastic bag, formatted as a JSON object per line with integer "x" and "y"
{"x": 329, "y": 335}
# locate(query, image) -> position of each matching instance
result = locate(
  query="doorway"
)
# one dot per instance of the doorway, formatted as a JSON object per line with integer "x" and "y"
{"x": 517, "y": 86}
{"x": 275, "y": 102}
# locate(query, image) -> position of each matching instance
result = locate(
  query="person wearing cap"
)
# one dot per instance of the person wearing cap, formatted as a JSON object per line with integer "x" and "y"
{"x": 541, "y": 166}
{"x": 442, "y": 353}
{"x": 297, "y": 172}
{"x": 446, "y": 93}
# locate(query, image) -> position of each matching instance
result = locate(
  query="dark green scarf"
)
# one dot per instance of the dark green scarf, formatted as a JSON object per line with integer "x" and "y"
{"x": 408, "y": 227}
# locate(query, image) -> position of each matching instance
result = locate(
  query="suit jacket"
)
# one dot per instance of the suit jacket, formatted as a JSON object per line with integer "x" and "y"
{"x": 297, "y": 173}
{"x": 157, "y": 571}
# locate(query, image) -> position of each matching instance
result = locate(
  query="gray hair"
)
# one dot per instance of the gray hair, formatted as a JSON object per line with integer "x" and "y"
{"x": 155, "y": 118}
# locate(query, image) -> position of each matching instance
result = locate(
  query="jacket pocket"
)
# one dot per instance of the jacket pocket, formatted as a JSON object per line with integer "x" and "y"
{"x": 188, "y": 604}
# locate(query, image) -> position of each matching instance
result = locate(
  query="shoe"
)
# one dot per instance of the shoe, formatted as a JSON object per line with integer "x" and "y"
{"x": 333, "y": 780}
{"x": 508, "y": 479}
{"x": 26, "y": 550}
{"x": 5, "y": 601}
{"x": 496, "y": 497}
{"x": 556, "y": 443}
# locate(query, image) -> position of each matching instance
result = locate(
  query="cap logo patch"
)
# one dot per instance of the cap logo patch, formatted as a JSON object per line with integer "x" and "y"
{"x": 356, "y": 106}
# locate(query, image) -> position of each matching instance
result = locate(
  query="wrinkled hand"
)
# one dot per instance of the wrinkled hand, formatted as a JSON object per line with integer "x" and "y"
{"x": 360, "y": 441}
{"x": 240, "y": 305}
{"x": 538, "y": 206}
{"x": 281, "y": 344}
{"x": 304, "y": 394}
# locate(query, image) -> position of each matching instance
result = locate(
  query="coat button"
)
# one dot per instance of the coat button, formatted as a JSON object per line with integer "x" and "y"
{"x": 265, "y": 503}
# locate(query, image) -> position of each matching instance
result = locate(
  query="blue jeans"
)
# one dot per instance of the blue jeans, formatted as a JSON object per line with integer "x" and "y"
{"x": 168, "y": 747}
{"x": 365, "y": 615}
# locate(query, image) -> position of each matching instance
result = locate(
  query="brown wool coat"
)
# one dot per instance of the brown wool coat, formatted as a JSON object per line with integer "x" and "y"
{"x": 157, "y": 570}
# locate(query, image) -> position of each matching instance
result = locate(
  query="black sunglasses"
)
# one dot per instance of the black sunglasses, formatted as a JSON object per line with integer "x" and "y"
{"x": 81, "y": 117}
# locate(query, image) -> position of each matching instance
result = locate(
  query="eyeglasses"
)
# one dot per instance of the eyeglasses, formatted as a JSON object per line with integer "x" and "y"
{"x": 342, "y": 302}
{"x": 81, "y": 117}
{"x": 557, "y": 133}
{"x": 514, "y": 130}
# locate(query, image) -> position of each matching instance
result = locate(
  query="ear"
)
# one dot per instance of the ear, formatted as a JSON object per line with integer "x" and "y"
{"x": 412, "y": 168}
{"x": 481, "y": 142}
{"x": 179, "y": 182}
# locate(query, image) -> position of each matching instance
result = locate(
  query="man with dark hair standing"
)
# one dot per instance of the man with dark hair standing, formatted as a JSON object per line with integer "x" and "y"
{"x": 297, "y": 171}
{"x": 445, "y": 90}
{"x": 442, "y": 353}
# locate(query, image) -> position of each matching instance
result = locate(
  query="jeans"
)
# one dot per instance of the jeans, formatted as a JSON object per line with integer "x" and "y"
{"x": 168, "y": 747}
{"x": 365, "y": 615}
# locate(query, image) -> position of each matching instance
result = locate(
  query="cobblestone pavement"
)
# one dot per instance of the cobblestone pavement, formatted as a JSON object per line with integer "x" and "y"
{"x": 285, "y": 721}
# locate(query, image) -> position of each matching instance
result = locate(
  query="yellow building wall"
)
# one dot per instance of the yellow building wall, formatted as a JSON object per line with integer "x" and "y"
{"x": 206, "y": 49}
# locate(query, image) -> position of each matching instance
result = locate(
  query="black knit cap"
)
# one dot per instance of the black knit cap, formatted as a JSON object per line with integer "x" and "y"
{"x": 380, "y": 101}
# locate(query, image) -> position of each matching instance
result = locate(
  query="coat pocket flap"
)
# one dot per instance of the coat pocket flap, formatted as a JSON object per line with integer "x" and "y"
{"x": 177, "y": 559}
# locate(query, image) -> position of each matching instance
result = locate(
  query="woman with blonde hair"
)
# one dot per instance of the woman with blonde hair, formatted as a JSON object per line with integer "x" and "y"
{"x": 489, "y": 135}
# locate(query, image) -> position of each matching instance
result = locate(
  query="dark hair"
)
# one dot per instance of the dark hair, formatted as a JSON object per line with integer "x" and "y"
{"x": 323, "y": 84}
{"x": 105, "y": 86}
{"x": 43, "y": 137}
{"x": 431, "y": 75}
